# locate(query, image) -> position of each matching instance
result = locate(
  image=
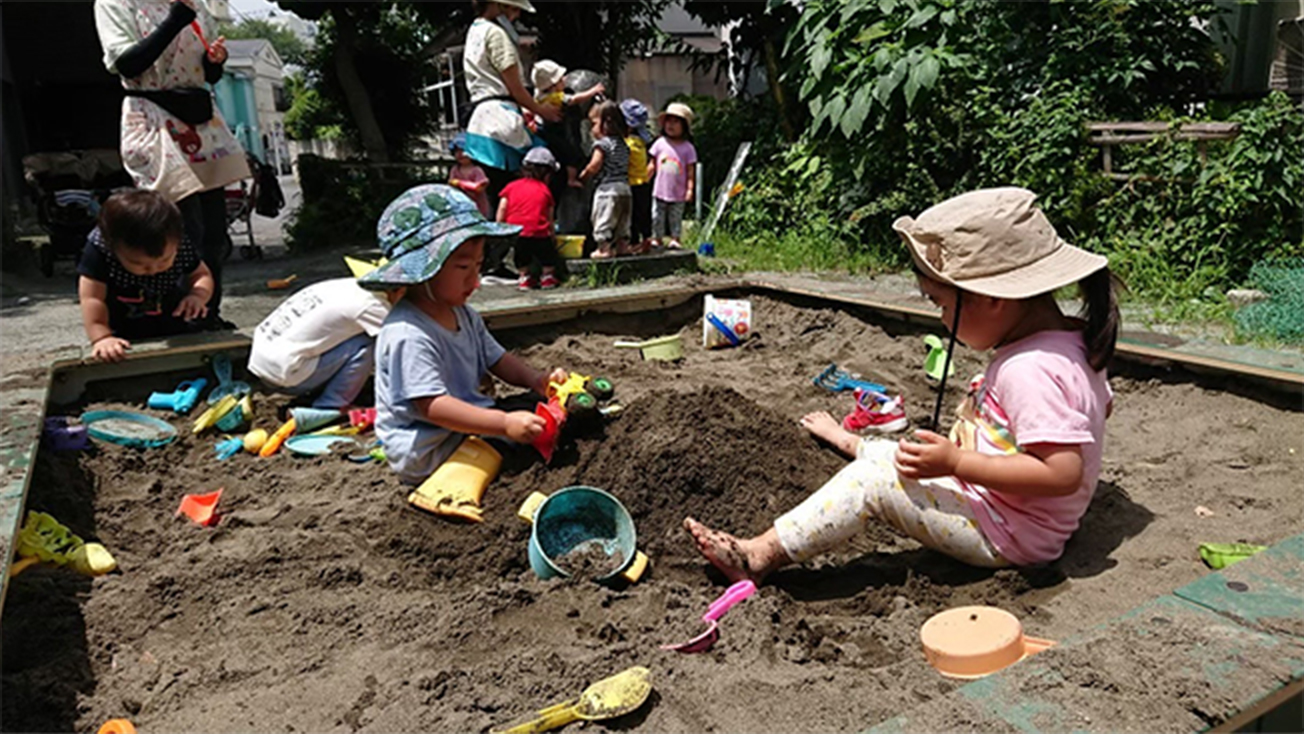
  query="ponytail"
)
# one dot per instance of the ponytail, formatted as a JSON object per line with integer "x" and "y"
{"x": 1100, "y": 310}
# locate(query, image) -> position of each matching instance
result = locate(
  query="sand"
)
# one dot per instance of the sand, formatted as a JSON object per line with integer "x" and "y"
{"x": 319, "y": 602}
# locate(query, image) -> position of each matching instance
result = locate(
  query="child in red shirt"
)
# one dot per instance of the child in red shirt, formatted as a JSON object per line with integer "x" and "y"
{"x": 528, "y": 202}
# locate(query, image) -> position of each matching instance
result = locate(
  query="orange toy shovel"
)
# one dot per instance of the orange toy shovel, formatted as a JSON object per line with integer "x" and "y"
{"x": 200, "y": 508}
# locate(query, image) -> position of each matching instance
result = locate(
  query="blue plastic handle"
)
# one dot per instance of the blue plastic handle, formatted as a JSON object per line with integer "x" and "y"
{"x": 723, "y": 329}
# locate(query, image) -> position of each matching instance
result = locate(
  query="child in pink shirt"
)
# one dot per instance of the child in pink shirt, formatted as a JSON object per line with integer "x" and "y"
{"x": 467, "y": 177}
{"x": 1010, "y": 484}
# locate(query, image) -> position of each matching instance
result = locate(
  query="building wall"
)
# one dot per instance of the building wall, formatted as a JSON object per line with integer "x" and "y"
{"x": 654, "y": 80}
{"x": 261, "y": 77}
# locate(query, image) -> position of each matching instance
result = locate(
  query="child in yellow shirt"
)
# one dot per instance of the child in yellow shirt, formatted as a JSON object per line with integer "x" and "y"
{"x": 640, "y": 174}
{"x": 550, "y": 89}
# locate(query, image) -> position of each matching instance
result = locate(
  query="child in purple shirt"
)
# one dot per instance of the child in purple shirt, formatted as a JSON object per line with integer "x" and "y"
{"x": 674, "y": 160}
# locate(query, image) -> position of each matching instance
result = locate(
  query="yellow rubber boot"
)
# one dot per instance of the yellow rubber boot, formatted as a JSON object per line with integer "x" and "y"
{"x": 458, "y": 485}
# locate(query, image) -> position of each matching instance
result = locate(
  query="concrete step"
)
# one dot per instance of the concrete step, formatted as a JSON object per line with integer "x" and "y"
{"x": 639, "y": 267}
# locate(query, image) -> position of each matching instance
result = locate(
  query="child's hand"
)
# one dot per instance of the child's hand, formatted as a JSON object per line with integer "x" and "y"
{"x": 523, "y": 427}
{"x": 558, "y": 375}
{"x": 191, "y": 307}
{"x": 936, "y": 456}
{"x": 110, "y": 349}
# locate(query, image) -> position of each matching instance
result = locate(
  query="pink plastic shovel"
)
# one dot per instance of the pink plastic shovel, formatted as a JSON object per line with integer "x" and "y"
{"x": 727, "y": 600}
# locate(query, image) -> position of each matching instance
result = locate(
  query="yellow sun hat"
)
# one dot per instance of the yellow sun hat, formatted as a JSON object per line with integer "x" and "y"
{"x": 360, "y": 267}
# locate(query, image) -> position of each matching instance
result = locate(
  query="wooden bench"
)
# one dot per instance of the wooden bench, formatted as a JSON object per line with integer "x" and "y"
{"x": 1106, "y": 135}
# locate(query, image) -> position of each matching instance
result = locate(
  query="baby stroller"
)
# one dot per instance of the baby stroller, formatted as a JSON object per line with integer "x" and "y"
{"x": 240, "y": 218}
{"x": 262, "y": 196}
{"x": 68, "y": 189}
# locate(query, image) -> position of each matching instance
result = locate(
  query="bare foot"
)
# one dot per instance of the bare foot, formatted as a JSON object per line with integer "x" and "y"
{"x": 824, "y": 426}
{"x": 737, "y": 559}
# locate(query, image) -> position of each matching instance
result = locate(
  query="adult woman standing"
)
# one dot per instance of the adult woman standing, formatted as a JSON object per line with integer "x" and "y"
{"x": 173, "y": 139}
{"x": 496, "y": 135}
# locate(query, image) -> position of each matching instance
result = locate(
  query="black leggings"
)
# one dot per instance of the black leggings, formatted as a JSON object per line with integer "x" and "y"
{"x": 640, "y": 224}
{"x": 541, "y": 251}
{"x": 205, "y": 216}
{"x": 495, "y": 248}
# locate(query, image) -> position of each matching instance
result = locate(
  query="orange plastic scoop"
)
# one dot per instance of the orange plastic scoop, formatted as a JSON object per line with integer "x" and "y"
{"x": 201, "y": 508}
{"x": 278, "y": 284}
{"x": 117, "y": 726}
{"x": 972, "y": 642}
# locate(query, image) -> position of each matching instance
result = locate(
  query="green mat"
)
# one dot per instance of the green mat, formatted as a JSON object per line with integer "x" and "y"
{"x": 1282, "y": 315}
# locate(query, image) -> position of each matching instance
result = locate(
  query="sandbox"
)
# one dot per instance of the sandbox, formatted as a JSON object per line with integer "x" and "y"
{"x": 320, "y": 602}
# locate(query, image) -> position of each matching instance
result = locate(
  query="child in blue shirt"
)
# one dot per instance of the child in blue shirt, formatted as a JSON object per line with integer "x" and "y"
{"x": 434, "y": 351}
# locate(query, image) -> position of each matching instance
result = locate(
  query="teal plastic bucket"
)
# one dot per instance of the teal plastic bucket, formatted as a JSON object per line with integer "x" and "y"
{"x": 581, "y": 521}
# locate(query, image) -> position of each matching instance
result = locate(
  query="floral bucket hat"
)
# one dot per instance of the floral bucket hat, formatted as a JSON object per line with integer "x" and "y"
{"x": 420, "y": 229}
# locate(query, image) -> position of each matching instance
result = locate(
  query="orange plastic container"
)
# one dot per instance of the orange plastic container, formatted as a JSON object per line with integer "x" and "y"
{"x": 201, "y": 508}
{"x": 971, "y": 642}
{"x": 117, "y": 726}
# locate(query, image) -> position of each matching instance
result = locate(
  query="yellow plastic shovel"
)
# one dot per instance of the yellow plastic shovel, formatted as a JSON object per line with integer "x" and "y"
{"x": 608, "y": 698}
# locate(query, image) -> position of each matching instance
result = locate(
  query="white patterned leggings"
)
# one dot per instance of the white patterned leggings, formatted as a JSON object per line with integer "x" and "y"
{"x": 932, "y": 511}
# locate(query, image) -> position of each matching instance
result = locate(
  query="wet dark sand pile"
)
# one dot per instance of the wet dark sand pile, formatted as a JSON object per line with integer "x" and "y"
{"x": 319, "y": 602}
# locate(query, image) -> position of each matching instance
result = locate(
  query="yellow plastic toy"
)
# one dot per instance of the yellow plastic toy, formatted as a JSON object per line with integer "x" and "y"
{"x": 458, "y": 485}
{"x": 254, "y": 440}
{"x": 210, "y": 417}
{"x": 45, "y": 540}
{"x": 618, "y": 695}
{"x": 573, "y": 385}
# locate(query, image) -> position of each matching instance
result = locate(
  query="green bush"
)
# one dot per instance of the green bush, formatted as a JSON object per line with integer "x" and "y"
{"x": 342, "y": 200}
{"x": 912, "y": 101}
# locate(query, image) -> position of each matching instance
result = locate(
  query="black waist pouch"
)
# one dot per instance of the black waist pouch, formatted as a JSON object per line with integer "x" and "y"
{"x": 191, "y": 105}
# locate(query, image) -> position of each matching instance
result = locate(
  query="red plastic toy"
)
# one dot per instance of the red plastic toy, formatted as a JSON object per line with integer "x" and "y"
{"x": 194, "y": 25}
{"x": 362, "y": 418}
{"x": 554, "y": 417}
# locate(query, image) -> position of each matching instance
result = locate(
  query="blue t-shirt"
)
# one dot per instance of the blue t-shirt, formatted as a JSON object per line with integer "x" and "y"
{"x": 417, "y": 358}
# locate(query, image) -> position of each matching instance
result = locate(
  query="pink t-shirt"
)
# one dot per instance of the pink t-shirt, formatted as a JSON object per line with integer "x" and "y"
{"x": 1038, "y": 390}
{"x": 473, "y": 174}
{"x": 672, "y": 157}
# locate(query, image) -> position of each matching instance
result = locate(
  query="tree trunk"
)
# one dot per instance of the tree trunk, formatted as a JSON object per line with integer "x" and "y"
{"x": 355, "y": 93}
{"x": 776, "y": 89}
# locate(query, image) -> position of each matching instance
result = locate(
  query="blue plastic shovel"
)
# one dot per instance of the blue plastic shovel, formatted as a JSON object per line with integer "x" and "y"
{"x": 225, "y": 385}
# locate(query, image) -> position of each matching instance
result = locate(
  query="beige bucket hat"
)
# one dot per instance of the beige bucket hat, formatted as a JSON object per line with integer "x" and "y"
{"x": 545, "y": 74}
{"x": 676, "y": 109}
{"x": 995, "y": 242}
